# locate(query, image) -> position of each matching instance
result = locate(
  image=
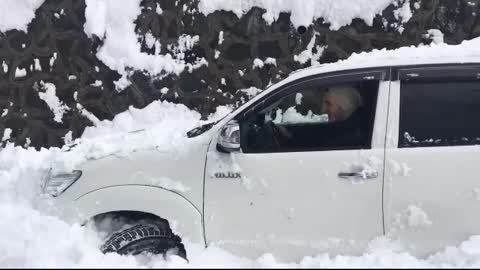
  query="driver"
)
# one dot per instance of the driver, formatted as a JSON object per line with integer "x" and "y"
{"x": 339, "y": 102}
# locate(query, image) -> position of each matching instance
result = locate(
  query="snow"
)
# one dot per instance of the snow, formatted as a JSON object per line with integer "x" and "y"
{"x": 150, "y": 40}
{"x": 336, "y": 12}
{"x": 220, "y": 38}
{"x": 416, "y": 217}
{"x": 298, "y": 98}
{"x": 159, "y": 9}
{"x": 258, "y": 63}
{"x": 404, "y": 12}
{"x": 97, "y": 83}
{"x": 5, "y": 67}
{"x": 31, "y": 238}
{"x": 17, "y": 14}
{"x": 52, "y": 60}
{"x": 6, "y": 134}
{"x": 114, "y": 24}
{"x": 436, "y": 36}
{"x": 411, "y": 218}
{"x": 164, "y": 90}
{"x": 308, "y": 54}
{"x": 251, "y": 92}
{"x": 68, "y": 138}
{"x": 53, "y": 102}
{"x": 169, "y": 184}
{"x": 38, "y": 67}
{"x": 291, "y": 116}
{"x": 271, "y": 61}
{"x": 20, "y": 72}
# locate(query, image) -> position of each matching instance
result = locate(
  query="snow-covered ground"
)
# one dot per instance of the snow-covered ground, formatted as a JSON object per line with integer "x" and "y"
{"x": 31, "y": 238}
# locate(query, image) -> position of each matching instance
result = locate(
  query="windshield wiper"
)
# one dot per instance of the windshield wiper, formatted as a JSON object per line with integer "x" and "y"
{"x": 200, "y": 130}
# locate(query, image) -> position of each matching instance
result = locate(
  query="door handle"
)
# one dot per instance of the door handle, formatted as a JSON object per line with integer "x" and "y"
{"x": 362, "y": 174}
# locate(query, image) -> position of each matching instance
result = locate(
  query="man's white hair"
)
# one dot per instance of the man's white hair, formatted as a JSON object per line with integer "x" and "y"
{"x": 347, "y": 98}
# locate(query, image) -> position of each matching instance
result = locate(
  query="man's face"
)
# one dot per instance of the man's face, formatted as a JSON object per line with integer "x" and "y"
{"x": 331, "y": 108}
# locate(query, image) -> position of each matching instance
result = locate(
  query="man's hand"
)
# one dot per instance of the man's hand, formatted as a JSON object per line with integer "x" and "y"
{"x": 286, "y": 135}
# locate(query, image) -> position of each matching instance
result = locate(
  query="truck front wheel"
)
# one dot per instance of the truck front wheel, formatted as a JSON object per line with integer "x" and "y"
{"x": 156, "y": 238}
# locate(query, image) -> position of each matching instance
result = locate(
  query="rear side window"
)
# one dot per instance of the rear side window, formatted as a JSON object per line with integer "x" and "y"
{"x": 439, "y": 113}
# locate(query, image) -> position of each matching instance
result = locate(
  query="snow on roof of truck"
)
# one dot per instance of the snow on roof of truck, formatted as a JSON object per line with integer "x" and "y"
{"x": 466, "y": 52}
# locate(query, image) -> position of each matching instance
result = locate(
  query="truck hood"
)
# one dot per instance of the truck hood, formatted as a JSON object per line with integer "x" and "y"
{"x": 180, "y": 170}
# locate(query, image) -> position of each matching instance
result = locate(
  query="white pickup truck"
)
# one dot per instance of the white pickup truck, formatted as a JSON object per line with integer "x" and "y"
{"x": 304, "y": 168}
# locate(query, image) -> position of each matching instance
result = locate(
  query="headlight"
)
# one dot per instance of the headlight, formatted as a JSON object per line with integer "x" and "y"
{"x": 56, "y": 184}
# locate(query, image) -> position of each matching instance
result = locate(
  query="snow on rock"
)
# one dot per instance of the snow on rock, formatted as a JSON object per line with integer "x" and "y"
{"x": 336, "y": 12}
{"x": 436, "y": 36}
{"x": 150, "y": 40}
{"x": 164, "y": 90}
{"x": 159, "y": 9}
{"x": 114, "y": 24}
{"x": 97, "y": 83}
{"x": 6, "y": 134}
{"x": 220, "y": 38}
{"x": 403, "y": 13}
{"x": 258, "y": 63}
{"x": 308, "y": 54}
{"x": 38, "y": 67}
{"x": 250, "y": 92}
{"x": 68, "y": 137}
{"x": 5, "y": 67}
{"x": 53, "y": 102}
{"x": 271, "y": 61}
{"x": 20, "y": 72}
{"x": 17, "y": 14}
{"x": 52, "y": 60}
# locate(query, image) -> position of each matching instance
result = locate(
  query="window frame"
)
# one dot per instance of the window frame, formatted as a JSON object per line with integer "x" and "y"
{"x": 378, "y": 74}
{"x": 440, "y": 73}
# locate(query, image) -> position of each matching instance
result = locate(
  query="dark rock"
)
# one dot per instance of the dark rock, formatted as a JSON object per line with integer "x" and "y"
{"x": 75, "y": 67}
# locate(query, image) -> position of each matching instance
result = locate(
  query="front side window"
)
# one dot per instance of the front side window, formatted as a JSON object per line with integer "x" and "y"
{"x": 439, "y": 113}
{"x": 314, "y": 118}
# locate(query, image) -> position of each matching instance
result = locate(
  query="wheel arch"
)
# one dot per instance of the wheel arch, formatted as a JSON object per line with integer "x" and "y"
{"x": 184, "y": 218}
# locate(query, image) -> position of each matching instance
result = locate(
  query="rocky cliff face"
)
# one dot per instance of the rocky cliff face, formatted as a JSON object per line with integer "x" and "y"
{"x": 55, "y": 54}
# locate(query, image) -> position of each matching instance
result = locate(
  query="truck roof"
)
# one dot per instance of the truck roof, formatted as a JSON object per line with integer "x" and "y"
{"x": 466, "y": 52}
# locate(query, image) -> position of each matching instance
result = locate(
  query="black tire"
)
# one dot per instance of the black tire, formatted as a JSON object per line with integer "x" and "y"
{"x": 152, "y": 238}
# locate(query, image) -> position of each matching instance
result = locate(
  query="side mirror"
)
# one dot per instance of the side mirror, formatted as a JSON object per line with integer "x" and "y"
{"x": 229, "y": 138}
